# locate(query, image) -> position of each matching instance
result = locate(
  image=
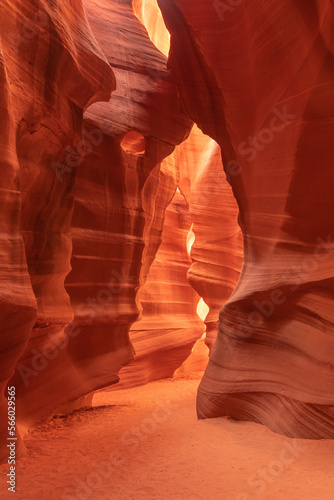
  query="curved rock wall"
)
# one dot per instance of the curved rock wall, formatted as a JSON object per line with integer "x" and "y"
{"x": 18, "y": 303}
{"x": 121, "y": 195}
{"x": 267, "y": 101}
{"x": 85, "y": 186}
{"x": 169, "y": 326}
{"x": 84, "y": 197}
{"x": 41, "y": 115}
{"x": 217, "y": 250}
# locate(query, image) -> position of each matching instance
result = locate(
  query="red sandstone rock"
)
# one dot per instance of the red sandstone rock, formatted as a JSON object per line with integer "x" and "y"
{"x": 166, "y": 333}
{"x": 109, "y": 166}
{"x": 84, "y": 203}
{"x": 121, "y": 193}
{"x": 41, "y": 115}
{"x": 258, "y": 79}
{"x": 18, "y": 304}
{"x": 217, "y": 250}
{"x": 217, "y": 261}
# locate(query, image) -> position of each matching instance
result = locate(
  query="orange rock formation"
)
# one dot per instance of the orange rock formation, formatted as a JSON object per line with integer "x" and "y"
{"x": 169, "y": 327}
{"x": 97, "y": 135}
{"x": 259, "y": 80}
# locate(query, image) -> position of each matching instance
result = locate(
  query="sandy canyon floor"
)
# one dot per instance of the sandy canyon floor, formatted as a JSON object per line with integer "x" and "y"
{"x": 146, "y": 443}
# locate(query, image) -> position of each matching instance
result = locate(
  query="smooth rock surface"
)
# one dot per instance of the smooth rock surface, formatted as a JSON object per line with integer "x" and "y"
{"x": 84, "y": 197}
{"x": 41, "y": 115}
{"x": 169, "y": 326}
{"x": 266, "y": 96}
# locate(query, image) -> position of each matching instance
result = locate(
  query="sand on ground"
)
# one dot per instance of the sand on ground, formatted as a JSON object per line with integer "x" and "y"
{"x": 146, "y": 443}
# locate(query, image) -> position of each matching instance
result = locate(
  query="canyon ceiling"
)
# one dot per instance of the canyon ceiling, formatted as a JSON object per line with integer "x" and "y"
{"x": 143, "y": 170}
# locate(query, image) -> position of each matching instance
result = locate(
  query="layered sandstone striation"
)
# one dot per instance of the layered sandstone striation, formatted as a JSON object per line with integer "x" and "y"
{"x": 265, "y": 95}
{"x": 164, "y": 336}
{"x": 121, "y": 192}
{"x": 83, "y": 195}
{"x": 217, "y": 249}
{"x": 18, "y": 303}
{"x": 41, "y": 115}
{"x": 96, "y": 136}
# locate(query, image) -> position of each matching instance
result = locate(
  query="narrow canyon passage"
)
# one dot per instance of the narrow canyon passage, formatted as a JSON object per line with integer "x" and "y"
{"x": 146, "y": 443}
{"x": 166, "y": 249}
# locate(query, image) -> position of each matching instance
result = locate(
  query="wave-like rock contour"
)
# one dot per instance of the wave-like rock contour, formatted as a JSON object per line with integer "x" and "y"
{"x": 258, "y": 78}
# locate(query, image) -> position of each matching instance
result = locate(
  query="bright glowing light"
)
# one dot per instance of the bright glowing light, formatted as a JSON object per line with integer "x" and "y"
{"x": 190, "y": 239}
{"x": 202, "y": 309}
{"x": 150, "y": 16}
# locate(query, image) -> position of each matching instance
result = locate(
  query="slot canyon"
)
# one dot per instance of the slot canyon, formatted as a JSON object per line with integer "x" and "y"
{"x": 167, "y": 249}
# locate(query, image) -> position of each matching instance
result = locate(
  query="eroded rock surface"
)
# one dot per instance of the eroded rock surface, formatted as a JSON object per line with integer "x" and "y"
{"x": 265, "y": 95}
{"x": 96, "y": 136}
{"x": 169, "y": 326}
{"x": 84, "y": 195}
{"x": 217, "y": 250}
{"x": 41, "y": 116}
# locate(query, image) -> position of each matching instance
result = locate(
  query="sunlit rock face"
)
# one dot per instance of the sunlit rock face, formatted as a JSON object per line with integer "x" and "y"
{"x": 83, "y": 194}
{"x": 169, "y": 326}
{"x": 217, "y": 250}
{"x": 266, "y": 96}
{"x": 97, "y": 135}
{"x": 216, "y": 254}
{"x": 121, "y": 192}
{"x": 149, "y": 14}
